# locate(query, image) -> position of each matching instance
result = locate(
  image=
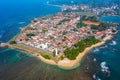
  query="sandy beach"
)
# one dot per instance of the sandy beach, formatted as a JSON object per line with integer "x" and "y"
{"x": 34, "y": 52}
{"x": 52, "y": 62}
{"x": 66, "y": 63}
{"x": 70, "y": 64}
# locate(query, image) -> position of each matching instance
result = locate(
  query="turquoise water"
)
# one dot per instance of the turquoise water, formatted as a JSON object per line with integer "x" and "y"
{"x": 17, "y": 65}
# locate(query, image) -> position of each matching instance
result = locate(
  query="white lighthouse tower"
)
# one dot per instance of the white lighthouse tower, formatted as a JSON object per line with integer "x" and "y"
{"x": 56, "y": 50}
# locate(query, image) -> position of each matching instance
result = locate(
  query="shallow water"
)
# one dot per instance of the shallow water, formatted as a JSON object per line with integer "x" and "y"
{"x": 17, "y": 65}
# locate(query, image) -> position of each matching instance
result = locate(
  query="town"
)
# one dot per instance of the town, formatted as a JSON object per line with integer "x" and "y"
{"x": 110, "y": 10}
{"x": 54, "y": 33}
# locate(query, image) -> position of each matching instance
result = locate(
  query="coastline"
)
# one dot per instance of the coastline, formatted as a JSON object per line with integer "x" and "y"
{"x": 66, "y": 63}
{"x": 33, "y": 52}
{"x": 72, "y": 63}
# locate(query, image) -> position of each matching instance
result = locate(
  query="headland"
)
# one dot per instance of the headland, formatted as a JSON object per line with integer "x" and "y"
{"x": 65, "y": 38}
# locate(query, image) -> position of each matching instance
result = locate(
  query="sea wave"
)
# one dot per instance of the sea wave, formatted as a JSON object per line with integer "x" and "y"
{"x": 95, "y": 77}
{"x": 113, "y": 43}
{"x": 103, "y": 47}
{"x": 96, "y": 50}
{"x": 104, "y": 68}
{"x": 21, "y": 22}
{"x": 94, "y": 59}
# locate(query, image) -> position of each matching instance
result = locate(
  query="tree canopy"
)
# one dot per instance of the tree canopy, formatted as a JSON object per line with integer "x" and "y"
{"x": 71, "y": 53}
{"x": 12, "y": 42}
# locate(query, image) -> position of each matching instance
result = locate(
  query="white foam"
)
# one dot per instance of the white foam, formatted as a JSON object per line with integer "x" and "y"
{"x": 95, "y": 77}
{"x": 96, "y": 50}
{"x": 103, "y": 47}
{"x": 113, "y": 43}
{"x": 104, "y": 68}
{"x": 94, "y": 59}
{"x": 21, "y": 22}
{"x": 98, "y": 79}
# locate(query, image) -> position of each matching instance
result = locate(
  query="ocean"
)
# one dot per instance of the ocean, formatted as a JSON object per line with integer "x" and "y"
{"x": 18, "y": 65}
{"x": 15, "y": 14}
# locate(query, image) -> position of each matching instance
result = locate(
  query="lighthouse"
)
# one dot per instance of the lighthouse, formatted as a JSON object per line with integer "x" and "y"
{"x": 56, "y": 50}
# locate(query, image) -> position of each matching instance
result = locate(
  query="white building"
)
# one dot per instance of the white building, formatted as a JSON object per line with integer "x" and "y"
{"x": 44, "y": 46}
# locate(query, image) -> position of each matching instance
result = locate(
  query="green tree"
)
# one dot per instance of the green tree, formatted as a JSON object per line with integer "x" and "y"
{"x": 79, "y": 25}
{"x": 30, "y": 35}
{"x": 12, "y": 42}
{"x": 71, "y": 53}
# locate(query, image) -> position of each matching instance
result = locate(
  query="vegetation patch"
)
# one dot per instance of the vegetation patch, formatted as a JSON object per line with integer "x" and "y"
{"x": 62, "y": 57}
{"x": 80, "y": 25}
{"x": 46, "y": 56}
{"x": 31, "y": 28}
{"x": 72, "y": 52}
{"x": 101, "y": 27}
{"x": 30, "y": 35}
{"x": 12, "y": 42}
{"x": 89, "y": 18}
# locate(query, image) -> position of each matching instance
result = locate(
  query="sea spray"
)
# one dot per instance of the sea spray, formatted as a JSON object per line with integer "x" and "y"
{"x": 104, "y": 68}
{"x": 103, "y": 47}
{"x": 94, "y": 60}
{"x": 113, "y": 43}
{"x": 95, "y": 77}
{"x": 96, "y": 50}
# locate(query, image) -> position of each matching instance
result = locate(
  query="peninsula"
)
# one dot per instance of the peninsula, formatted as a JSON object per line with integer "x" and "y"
{"x": 65, "y": 38}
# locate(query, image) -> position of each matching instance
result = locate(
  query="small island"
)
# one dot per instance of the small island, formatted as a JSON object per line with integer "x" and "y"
{"x": 65, "y": 38}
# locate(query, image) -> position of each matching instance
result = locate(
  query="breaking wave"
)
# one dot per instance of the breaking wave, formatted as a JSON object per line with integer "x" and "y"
{"x": 96, "y": 50}
{"x": 104, "y": 68}
{"x": 95, "y": 77}
{"x": 21, "y": 22}
{"x": 113, "y": 43}
{"x": 103, "y": 47}
{"x": 94, "y": 59}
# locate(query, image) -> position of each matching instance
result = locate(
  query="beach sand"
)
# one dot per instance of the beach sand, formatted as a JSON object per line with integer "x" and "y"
{"x": 66, "y": 63}
{"x": 52, "y": 62}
